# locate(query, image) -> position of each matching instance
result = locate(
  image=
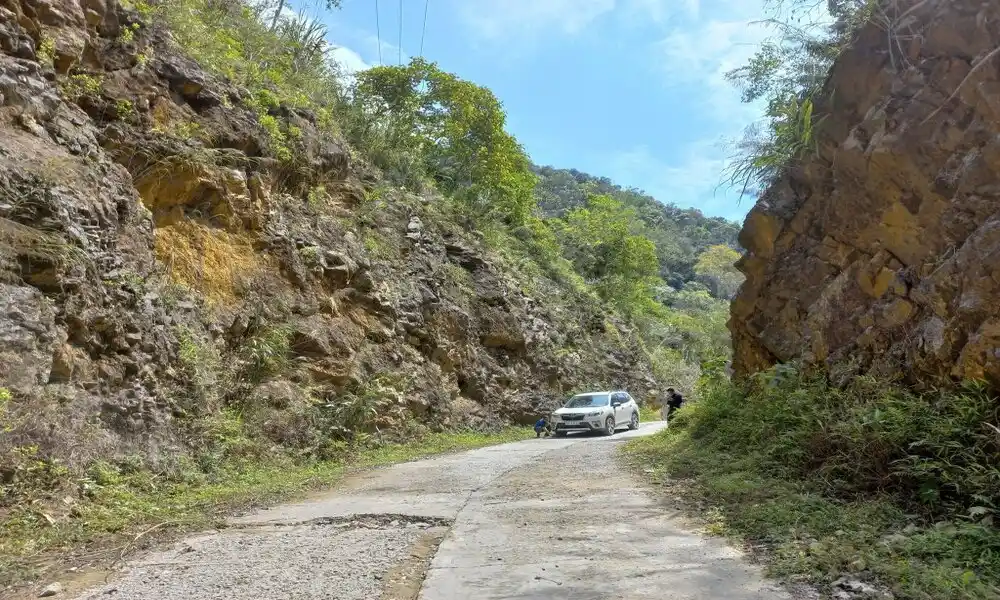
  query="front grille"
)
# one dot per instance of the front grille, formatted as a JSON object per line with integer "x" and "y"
{"x": 572, "y": 417}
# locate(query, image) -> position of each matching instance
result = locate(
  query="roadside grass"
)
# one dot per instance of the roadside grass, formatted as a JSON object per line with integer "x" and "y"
{"x": 120, "y": 509}
{"x": 871, "y": 482}
{"x": 649, "y": 413}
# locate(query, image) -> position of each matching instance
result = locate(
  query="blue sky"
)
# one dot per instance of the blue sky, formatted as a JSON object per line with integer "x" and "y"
{"x": 632, "y": 90}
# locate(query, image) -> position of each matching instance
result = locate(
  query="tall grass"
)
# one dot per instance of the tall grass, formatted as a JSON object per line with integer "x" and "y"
{"x": 872, "y": 479}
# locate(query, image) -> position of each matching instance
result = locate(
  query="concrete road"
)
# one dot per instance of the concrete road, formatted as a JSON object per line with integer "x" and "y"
{"x": 549, "y": 518}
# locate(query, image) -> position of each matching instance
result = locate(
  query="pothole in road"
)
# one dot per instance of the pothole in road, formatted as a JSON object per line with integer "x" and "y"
{"x": 404, "y": 581}
{"x": 359, "y": 521}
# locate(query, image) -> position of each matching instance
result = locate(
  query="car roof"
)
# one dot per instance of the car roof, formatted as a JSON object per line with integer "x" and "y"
{"x": 595, "y": 393}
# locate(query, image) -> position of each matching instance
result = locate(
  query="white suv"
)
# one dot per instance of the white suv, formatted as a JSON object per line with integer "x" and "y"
{"x": 597, "y": 411}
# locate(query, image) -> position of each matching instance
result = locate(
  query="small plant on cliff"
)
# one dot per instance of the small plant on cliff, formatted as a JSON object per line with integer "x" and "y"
{"x": 20, "y": 243}
{"x": 6, "y": 424}
{"x": 142, "y": 58}
{"x": 124, "y": 109}
{"x": 127, "y": 35}
{"x": 46, "y": 52}
{"x": 317, "y": 196}
{"x": 310, "y": 256}
{"x": 279, "y": 141}
{"x": 377, "y": 246}
{"x": 264, "y": 353}
{"x": 182, "y": 129}
{"x": 144, "y": 9}
{"x": 78, "y": 86}
{"x": 202, "y": 365}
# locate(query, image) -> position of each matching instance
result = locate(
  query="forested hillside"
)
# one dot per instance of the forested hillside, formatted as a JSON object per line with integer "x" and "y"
{"x": 681, "y": 235}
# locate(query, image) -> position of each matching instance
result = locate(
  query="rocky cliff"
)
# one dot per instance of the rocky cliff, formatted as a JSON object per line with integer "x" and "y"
{"x": 881, "y": 254}
{"x": 171, "y": 253}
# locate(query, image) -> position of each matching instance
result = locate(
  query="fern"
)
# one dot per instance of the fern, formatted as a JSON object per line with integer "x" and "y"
{"x": 761, "y": 156}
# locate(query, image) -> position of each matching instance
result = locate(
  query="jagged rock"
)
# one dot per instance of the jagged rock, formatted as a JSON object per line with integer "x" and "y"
{"x": 879, "y": 255}
{"x": 849, "y": 588}
{"x": 28, "y": 337}
{"x": 280, "y": 394}
{"x": 465, "y": 256}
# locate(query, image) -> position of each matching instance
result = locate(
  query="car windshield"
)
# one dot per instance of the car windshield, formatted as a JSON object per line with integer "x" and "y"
{"x": 585, "y": 400}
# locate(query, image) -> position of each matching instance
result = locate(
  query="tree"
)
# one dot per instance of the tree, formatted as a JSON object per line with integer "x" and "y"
{"x": 716, "y": 269}
{"x": 604, "y": 242}
{"x": 455, "y": 131}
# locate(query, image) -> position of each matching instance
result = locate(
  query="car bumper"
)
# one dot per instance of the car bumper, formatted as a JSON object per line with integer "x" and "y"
{"x": 587, "y": 425}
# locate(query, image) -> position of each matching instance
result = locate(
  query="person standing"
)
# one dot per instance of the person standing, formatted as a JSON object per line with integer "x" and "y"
{"x": 672, "y": 402}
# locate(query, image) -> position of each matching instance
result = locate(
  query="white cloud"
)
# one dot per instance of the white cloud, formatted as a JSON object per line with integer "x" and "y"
{"x": 698, "y": 58}
{"x": 364, "y": 52}
{"x": 349, "y": 60}
{"x": 659, "y": 11}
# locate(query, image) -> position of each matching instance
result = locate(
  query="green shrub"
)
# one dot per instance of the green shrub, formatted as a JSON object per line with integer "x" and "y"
{"x": 870, "y": 478}
{"x": 203, "y": 368}
{"x": 317, "y": 196}
{"x": 124, "y": 109}
{"x": 46, "y": 52}
{"x": 264, "y": 354}
{"x": 78, "y": 86}
{"x": 279, "y": 141}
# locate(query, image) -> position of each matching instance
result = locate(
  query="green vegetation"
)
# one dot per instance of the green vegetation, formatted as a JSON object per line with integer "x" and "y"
{"x": 76, "y": 86}
{"x": 869, "y": 480}
{"x": 680, "y": 235}
{"x": 604, "y": 243}
{"x": 716, "y": 268}
{"x": 46, "y": 52}
{"x": 788, "y": 73}
{"x": 119, "y": 501}
{"x": 399, "y": 115}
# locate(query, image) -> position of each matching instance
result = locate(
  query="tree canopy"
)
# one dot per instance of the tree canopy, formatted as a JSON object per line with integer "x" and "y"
{"x": 454, "y": 130}
{"x": 678, "y": 235}
{"x": 716, "y": 268}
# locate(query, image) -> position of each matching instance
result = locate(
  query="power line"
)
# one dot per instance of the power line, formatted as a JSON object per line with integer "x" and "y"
{"x": 423, "y": 31}
{"x": 399, "y": 47}
{"x": 378, "y": 34}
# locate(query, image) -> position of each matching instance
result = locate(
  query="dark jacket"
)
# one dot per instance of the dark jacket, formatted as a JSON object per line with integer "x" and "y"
{"x": 675, "y": 400}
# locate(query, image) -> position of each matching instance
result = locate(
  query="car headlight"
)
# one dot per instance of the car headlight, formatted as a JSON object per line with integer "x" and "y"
{"x": 596, "y": 413}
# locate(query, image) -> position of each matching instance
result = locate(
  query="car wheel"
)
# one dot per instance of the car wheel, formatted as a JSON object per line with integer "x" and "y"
{"x": 634, "y": 423}
{"x": 609, "y": 426}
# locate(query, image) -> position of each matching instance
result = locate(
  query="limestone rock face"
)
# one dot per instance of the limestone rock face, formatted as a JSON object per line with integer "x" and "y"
{"x": 882, "y": 253}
